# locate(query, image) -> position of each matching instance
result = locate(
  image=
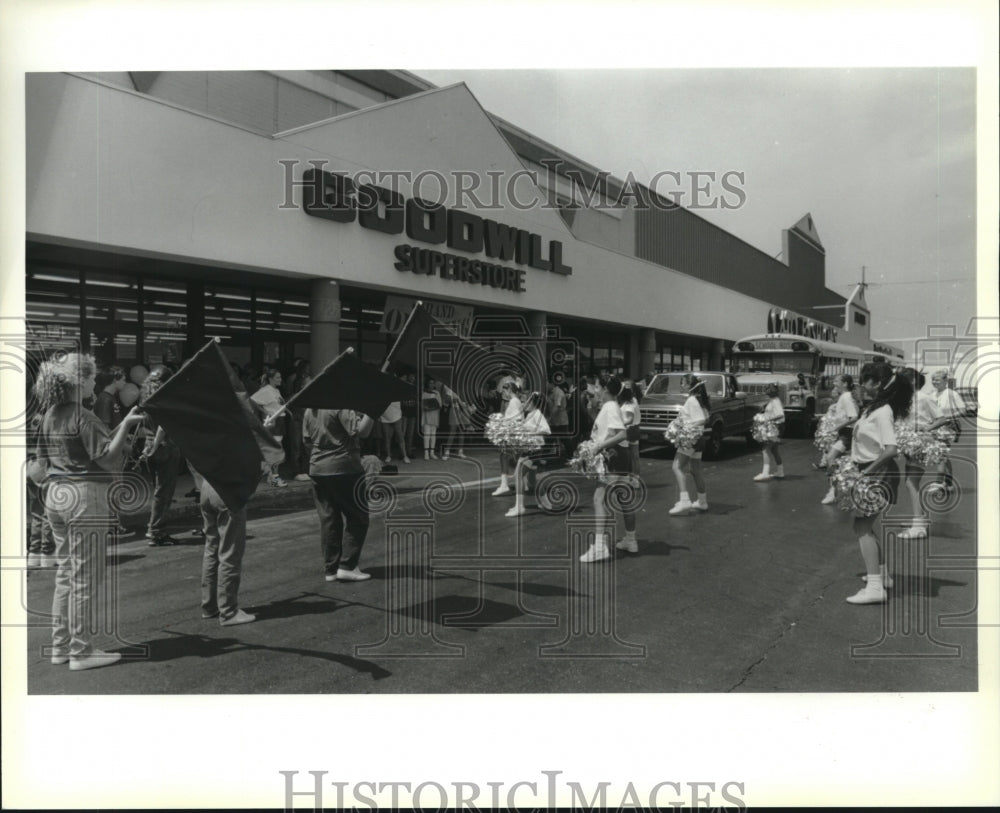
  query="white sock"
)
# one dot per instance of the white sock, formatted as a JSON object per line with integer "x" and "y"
{"x": 766, "y": 469}
{"x": 875, "y": 582}
{"x": 503, "y": 481}
{"x": 684, "y": 497}
{"x": 601, "y": 540}
{"x": 629, "y": 536}
{"x": 702, "y": 497}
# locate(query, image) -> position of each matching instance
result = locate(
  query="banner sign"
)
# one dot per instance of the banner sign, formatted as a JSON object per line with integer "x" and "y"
{"x": 397, "y": 308}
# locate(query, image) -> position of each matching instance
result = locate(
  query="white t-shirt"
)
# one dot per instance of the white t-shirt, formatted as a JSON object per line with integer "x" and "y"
{"x": 774, "y": 411}
{"x": 693, "y": 412}
{"x": 392, "y": 413}
{"x": 536, "y": 423}
{"x": 950, "y": 403}
{"x": 608, "y": 421}
{"x": 846, "y": 408}
{"x": 513, "y": 409}
{"x": 269, "y": 398}
{"x": 872, "y": 433}
{"x": 923, "y": 411}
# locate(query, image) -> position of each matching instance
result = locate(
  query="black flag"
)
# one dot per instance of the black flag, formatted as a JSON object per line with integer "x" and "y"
{"x": 208, "y": 414}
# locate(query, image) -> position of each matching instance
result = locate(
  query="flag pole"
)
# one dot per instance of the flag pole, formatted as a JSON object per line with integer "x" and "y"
{"x": 388, "y": 359}
{"x": 285, "y": 406}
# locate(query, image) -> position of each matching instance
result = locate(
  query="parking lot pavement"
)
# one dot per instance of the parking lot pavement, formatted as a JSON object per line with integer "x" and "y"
{"x": 748, "y": 597}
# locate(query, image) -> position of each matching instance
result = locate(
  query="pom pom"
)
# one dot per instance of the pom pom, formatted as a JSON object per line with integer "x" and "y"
{"x": 587, "y": 460}
{"x": 858, "y": 492}
{"x": 510, "y": 435}
{"x": 908, "y": 441}
{"x": 683, "y": 436}
{"x": 826, "y": 433}
{"x": 764, "y": 430}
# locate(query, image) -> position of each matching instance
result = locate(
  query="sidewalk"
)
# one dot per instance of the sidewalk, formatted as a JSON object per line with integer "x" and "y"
{"x": 184, "y": 514}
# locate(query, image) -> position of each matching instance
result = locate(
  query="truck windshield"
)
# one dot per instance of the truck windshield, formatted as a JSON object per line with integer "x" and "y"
{"x": 675, "y": 385}
{"x": 774, "y": 363}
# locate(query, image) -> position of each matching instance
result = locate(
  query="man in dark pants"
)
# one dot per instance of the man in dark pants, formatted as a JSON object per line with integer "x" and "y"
{"x": 222, "y": 562}
{"x": 334, "y": 440}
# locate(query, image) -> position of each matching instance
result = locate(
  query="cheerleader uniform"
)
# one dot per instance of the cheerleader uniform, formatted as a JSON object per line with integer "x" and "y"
{"x": 775, "y": 412}
{"x": 845, "y": 411}
{"x": 691, "y": 414}
{"x": 872, "y": 433}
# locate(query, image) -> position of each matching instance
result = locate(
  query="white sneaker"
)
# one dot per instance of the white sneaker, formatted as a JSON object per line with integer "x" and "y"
{"x": 94, "y": 660}
{"x": 762, "y": 477}
{"x": 596, "y": 553}
{"x": 868, "y": 595}
{"x": 516, "y": 511}
{"x": 444, "y": 456}
{"x": 239, "y": 617}
{"x": 460, "y": 454}
{"x": 681, "y": 507}
{"x": 779, "y": 474}
{"x": 887, "y": 581}
{"x": 501, "y": 491}
{"x": 434, "y": 456}
{"x": 406, "y": 460}
{"x": 628, "y": 543}
{"x": 830, "y": 498}
{"x": 388, "y": 461}
{"x": 912, "y": 533}
{"x": 355, "y": 575}
{"x": 700, "y": 505}
{"x": 545, "y": 504}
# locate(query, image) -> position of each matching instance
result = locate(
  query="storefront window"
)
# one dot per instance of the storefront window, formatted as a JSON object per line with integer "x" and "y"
{"x": 164, "y": 321}
{"x": 53, "y": 299}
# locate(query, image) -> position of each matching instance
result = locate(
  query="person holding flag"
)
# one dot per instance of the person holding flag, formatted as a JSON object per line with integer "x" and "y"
{"x": 333, "y": 437}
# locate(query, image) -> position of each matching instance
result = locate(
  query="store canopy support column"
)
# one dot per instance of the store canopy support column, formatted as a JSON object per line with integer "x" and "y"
{"x": 324, "y": 322}
{"x": 647, "y": 351}
{"x": 717, "y": 359}
{"x": 537, "y": 366}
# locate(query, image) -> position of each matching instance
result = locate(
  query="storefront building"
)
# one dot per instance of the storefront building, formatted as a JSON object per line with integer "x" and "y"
{"x": 286, "y": 213}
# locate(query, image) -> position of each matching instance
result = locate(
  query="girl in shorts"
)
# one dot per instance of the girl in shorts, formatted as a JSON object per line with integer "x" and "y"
{"x": 608, "y": 433}
{"x": 873, "y": 450}
{"x": 687, "y": 460}
{"x": 844, "y": 412}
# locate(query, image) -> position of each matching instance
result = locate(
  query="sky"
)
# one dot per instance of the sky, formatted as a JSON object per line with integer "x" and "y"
{"x": 883, "y": 158}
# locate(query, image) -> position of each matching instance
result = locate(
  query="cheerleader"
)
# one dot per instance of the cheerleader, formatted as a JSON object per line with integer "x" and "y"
{"x": 510, "y": 392}
{"x": 609, "y": 435}
{"x": 842, "y": 414}
{"x": 873, "y": 450}
{"x": 772, "y": 411}
{"x": 694, "y": 413}
{"x": 430, "y": 403}
{"x": 525, "y": 470}
{"x": 925, "y": 416}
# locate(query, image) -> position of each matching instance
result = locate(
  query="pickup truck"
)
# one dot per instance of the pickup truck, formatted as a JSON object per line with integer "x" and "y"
{"x": 731, "y": 412}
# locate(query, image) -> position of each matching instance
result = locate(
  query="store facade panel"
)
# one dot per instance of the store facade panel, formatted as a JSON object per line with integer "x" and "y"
{"x": 126, "y": 190}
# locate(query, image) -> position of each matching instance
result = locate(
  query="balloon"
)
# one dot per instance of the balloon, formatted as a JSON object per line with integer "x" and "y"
{"x": 138, "y": 374}
{"x": 129, "y": 395}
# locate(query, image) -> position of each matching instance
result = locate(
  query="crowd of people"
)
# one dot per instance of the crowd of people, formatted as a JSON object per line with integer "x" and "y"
{"x": 86, "y": 430}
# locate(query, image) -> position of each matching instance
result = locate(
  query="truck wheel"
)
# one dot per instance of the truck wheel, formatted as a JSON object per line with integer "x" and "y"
{"x": 713, "y": 444}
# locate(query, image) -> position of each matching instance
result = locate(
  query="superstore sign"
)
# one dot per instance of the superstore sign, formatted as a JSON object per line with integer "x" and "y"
{"x": 334, "y": 196}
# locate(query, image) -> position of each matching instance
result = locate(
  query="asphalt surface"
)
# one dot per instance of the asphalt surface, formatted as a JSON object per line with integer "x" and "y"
{"x": 746, "y": 598}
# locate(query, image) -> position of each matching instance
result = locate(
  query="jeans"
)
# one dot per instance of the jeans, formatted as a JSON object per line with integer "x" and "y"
{"x": 82, "y": 524}
{"x": 222, "y": 561}
{"x": 342, "y": 504}
{"x": 164, "y": 464}
{"x": 394, "y": 430}
{"x": 39, "y": 529}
